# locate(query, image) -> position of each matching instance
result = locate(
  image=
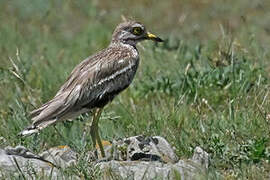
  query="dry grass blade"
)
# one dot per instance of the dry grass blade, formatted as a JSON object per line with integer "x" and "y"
{"x": 17, "y": 165}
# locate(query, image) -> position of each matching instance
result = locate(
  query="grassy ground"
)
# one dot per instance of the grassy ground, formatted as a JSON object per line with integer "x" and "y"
{"x": 207, "y": 85}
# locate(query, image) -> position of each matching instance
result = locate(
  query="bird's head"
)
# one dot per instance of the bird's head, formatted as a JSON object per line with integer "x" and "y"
{"x": 132, "y": 32}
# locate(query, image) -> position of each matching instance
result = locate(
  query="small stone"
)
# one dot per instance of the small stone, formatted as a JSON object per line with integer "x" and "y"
{"x": 62, "y": 156}
{"x": 201, "y": 157}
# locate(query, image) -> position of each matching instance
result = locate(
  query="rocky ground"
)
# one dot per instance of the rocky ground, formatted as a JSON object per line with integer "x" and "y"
{"x": 135, "y": 157}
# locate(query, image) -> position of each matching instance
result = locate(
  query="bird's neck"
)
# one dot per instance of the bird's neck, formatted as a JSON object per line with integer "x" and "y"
{"x": 131, "y": 46}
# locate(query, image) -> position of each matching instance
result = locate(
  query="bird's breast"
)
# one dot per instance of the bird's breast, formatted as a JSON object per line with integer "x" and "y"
{"x": 106, "y": 89}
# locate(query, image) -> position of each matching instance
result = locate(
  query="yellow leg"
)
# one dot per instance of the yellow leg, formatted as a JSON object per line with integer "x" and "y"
{"x": 94, "y": 131}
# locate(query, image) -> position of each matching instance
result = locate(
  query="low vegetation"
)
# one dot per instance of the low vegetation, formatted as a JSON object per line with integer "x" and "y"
{"x": 207, "y": 85}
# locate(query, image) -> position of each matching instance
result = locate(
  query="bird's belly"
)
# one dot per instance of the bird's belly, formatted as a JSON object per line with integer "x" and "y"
{"x": 113, "y": 89}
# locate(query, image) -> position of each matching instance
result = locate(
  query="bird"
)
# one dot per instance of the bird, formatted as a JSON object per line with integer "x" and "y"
{"x": 95, "y": 82}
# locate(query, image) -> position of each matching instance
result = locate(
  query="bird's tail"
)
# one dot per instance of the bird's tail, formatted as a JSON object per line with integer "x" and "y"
{"x": 46, "y": 115}
{"x": 36, "y": 127}
{"x": 29, "y": 131}
{"x": 50, "y": 112}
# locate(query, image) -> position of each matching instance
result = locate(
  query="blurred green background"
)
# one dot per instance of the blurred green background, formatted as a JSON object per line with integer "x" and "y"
{"x": 207, "y": 85}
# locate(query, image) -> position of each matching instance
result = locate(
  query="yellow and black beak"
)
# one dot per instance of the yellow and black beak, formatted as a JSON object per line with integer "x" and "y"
{"x": 153, "y": 37}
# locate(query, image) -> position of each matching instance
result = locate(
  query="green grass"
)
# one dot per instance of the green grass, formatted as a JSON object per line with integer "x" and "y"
{"x": 207, "y": 85}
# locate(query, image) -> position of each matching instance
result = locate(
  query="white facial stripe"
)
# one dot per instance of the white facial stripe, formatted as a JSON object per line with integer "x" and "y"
{"x": 138, "y": 25}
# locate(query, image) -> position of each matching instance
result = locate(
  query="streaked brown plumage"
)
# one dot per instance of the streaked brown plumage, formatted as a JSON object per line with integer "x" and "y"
{"x": 95, "y": 81}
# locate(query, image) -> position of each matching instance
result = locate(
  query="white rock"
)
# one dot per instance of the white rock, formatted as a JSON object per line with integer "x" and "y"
{"x": 201, "y": 157}
{"x": 135, "y": 157}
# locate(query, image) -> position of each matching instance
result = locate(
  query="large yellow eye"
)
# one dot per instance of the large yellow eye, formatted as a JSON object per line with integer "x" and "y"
{"x": 137, "y": 31}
